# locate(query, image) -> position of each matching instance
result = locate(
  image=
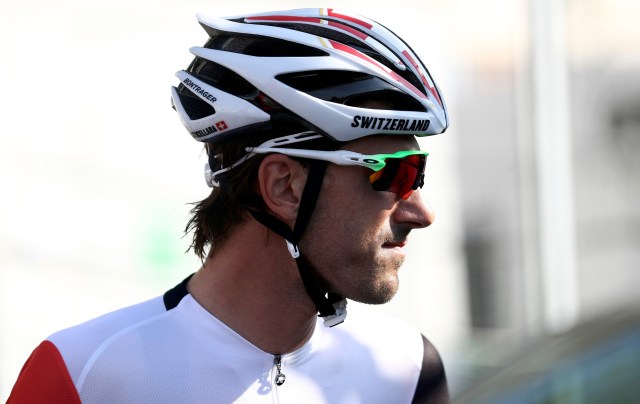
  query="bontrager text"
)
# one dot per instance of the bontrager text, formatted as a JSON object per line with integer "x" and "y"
{"x": 196, "y": 88}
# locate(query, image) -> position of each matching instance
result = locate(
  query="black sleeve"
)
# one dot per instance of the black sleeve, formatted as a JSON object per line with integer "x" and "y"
{"x": 432, "y": 382}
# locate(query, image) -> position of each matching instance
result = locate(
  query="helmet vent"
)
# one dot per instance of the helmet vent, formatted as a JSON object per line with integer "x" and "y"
{"x": 222, "y": 78}
{"x": 256, "y": 45}
{"x": 349, "y": 88}
{"x": 194, "y": 106}
{"x": 339, "y": 37}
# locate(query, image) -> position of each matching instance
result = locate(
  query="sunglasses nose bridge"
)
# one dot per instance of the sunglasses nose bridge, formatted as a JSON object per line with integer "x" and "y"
{"x": 421, "y": 183}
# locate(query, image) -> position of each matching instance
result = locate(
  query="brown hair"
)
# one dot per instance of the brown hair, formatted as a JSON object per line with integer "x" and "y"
{"x": 213, "y": 218}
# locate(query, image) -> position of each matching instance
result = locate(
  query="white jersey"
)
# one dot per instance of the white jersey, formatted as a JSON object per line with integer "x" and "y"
{"x": 171, "y": 350}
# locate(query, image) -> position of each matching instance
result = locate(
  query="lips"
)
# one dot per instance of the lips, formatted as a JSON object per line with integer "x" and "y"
{"x": 394, "y": 244}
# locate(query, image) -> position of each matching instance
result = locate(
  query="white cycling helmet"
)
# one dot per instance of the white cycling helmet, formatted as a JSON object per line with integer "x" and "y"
{"x": 314, "y": 68}
{"x": 311, "y": 65}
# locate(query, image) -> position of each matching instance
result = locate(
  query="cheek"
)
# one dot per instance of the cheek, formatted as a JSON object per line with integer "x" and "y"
{"x": 332, "y": 231}
{"x": 348, "y": 231}
{"x": 349, "y": 214}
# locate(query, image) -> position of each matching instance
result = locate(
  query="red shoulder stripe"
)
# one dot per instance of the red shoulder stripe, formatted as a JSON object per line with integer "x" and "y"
{"x": 44, "y": 378}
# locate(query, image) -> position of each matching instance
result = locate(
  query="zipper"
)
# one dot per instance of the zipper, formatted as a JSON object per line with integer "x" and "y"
{"x": 280, "y": 377}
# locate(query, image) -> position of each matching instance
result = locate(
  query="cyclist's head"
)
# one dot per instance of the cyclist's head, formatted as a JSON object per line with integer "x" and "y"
{"x": 311, "y": 79}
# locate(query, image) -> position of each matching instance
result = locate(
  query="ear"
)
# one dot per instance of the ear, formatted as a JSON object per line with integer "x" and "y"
{"x": 281, "y": 181}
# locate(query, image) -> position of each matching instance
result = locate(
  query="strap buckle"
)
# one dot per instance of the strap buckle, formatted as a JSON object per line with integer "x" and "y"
{"x": 293, "y": 249}
{"x": 339, "y": 316}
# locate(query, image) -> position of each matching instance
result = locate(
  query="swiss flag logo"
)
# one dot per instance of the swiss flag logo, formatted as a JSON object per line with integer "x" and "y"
{"x": 221, "y": 125}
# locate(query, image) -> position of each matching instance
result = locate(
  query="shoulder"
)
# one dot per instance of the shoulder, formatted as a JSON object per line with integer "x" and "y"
{"x": 77, "y": 344}
{"x": 380, "y": 331}
{"x": 398, "y": 350}
{"x": 432, "y": 384}
{"x": 53, "y": 369}
{"x": 380, "y": 355}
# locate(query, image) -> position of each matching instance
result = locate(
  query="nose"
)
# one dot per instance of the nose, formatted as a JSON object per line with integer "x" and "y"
{"x": 414, "y": 211}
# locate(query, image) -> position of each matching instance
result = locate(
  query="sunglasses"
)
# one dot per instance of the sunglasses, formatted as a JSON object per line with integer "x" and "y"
{"x": 400, "y": 172}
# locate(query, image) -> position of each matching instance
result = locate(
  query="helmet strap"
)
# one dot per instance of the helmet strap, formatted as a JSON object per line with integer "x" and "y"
{"x": 332, "y": 307}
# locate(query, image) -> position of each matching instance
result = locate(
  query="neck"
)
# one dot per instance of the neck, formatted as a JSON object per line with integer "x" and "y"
{"x": 251, "y": 283}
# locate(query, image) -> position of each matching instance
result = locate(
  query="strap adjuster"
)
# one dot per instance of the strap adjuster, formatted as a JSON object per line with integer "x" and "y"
{"x": 293, "y": 249}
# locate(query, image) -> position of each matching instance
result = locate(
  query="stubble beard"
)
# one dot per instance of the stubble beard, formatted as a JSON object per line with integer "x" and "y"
{"x": 370, "y": 277}
{"x": 383, "y": 282}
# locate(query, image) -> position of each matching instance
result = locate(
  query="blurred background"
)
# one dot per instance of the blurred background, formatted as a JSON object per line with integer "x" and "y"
{"x": 528, "y": 280}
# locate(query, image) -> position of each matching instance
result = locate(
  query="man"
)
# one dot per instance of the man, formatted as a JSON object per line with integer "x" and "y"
{"x": 309, "y": 120}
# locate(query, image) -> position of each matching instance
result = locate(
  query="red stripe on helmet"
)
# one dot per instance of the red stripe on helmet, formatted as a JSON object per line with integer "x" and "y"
{"x": 286, "y": 18}
{"x": 424, "y": 80}
{"x": 349, "y": 18}
{"x": 344, "y": 48}
{"x": 350, "y": 30}
{"x": 313, "y": 20}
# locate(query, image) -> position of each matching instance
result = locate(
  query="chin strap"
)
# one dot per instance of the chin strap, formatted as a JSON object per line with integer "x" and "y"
{"x": 332, "y": 307}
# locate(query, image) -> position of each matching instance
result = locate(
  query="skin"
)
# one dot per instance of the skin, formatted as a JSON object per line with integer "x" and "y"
{"x": 354, "y": 241}
{"x": 364, "y": 230}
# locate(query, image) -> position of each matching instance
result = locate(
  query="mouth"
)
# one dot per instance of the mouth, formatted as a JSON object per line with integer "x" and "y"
{"x": 394, "y": 244}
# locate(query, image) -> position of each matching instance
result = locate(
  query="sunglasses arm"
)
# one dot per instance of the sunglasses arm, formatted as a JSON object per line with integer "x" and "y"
{"x": 340, "y": 157}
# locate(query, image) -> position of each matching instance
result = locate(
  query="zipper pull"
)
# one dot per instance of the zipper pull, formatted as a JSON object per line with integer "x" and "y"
{"x": 280, "y": 377}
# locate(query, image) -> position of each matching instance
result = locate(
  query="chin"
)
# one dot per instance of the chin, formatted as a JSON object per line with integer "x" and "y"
{"x": 376, "y": 300}
{"x": 380, "y": 293}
